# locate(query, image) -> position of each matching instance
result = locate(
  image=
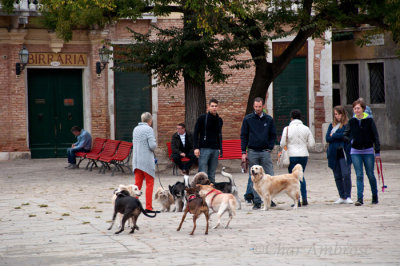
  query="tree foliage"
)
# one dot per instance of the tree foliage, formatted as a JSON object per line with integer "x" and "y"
{"x": 215, "y": 31}
{"x": 173, "y": 54}
{"x": 256, "y": 23}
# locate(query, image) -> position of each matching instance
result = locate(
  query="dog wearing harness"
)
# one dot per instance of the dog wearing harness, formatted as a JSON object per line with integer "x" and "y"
{"x": 218, "y": 202}
{"x": 196, "y": 206}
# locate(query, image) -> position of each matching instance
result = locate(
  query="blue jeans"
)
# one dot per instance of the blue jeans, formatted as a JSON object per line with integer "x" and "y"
{"x": 208, "y": 162}
{"x": 303, "y": 162}
{"x": 342, "y": 173}
{"x": 368, "y": 160}
{"x": 262, "y": 158}
{"x": 71, "y": 154}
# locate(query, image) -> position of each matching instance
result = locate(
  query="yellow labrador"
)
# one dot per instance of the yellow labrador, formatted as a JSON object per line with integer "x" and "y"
{"x": 270, "y": 186}
{"x": 218, "y": 202}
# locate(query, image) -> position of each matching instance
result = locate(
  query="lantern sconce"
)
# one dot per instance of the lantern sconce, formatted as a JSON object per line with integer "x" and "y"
{"x": 23, "y": 60}
{"x": 104, "y": 57}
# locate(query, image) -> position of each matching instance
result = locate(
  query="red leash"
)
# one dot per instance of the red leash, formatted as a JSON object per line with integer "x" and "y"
{"x": 380, "y": 173}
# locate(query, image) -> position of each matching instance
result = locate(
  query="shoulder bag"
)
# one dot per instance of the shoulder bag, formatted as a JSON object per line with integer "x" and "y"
{"x": 283, "y": 155}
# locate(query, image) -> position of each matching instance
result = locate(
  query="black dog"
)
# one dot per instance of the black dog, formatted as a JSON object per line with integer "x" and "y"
{"x": 178, "y": 192}
{"x": 130, "y": 207}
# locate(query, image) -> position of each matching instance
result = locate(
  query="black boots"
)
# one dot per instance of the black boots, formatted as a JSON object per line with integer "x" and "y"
{"x": 305, "y": 202}
{"x": 375, "y": 199}
{"x": 359, "y": 202}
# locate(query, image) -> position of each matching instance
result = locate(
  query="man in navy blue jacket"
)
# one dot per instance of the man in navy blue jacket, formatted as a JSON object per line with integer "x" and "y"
{"x": 258, "y": 135}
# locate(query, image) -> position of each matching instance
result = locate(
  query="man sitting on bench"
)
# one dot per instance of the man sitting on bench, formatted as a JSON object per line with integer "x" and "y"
{"x": 182, "y": 146}
{"x": 84, "y": 144}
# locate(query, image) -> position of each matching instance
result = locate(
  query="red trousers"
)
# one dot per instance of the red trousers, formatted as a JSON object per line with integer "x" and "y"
{"x": 139, "y": 176}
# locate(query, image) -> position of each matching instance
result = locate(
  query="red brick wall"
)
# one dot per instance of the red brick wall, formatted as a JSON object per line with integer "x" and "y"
{"x": 232, "y": 94}
{"x": 13, "y": 109}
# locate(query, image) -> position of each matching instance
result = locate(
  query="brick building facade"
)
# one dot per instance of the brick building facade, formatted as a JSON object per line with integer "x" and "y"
{"x": 100, "y": 94}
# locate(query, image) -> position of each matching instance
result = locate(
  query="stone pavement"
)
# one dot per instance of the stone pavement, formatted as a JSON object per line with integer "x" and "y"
{"x": 53, "y": 216}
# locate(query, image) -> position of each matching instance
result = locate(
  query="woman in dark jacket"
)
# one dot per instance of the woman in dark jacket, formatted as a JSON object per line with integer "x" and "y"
{"x": 363, "y": 133}
{"x": 338, "y": 153}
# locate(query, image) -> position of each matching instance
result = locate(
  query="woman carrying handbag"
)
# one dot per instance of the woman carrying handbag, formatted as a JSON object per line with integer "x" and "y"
{"x": 298, "y": 139}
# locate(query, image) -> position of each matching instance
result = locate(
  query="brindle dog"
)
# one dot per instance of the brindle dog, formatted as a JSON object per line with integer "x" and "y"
{"x": 196, "y": 206}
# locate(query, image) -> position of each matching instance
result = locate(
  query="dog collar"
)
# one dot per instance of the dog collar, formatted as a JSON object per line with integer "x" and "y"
{"x": 192, "y": 197}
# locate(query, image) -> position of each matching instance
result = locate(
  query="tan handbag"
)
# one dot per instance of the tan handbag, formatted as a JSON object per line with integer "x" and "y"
{"x": 283, "y": 155}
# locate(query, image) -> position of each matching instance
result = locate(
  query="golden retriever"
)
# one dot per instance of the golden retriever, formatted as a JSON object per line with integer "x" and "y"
{"x": 270, "y": 186}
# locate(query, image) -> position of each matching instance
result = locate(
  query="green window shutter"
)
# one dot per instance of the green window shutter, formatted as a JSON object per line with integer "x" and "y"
{"x": 290, "y": 92}
{"x": 132, "y": 98}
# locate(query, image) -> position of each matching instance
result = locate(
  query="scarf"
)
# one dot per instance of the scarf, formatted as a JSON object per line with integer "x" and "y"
{"x": 335, "y": 128}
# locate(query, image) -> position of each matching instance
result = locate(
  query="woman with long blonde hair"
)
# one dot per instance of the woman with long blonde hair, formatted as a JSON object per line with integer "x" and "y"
{"x": 338, "y": 153}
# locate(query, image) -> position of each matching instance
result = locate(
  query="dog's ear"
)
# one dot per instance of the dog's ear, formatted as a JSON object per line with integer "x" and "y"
{"x": 198, "y": 185}
{"x": 156, "y": 195}
{"x": 206, "y": 182}
{"x": 123, "y": 193}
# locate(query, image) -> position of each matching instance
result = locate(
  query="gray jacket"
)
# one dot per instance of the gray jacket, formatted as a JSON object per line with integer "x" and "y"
{"x": 144, "y": 144}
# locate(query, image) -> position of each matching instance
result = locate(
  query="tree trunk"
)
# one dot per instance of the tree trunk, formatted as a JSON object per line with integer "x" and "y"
{"x": 195, "y": 101}
{"x": 267, "y": 72}
{"x": 262, "y": 80}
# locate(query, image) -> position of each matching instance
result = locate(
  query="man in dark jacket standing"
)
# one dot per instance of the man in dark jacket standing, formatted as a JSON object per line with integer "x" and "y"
{"x": 207, "y": 140}
{"x": 182, "y": 146}
{"x": 258, "y": 135}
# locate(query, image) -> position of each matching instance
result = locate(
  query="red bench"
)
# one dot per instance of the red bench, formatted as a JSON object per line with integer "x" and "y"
{"x": 109, "y": 149}
{"x": 97, "y": 147}
{"x": 230, "y": 150}
{"x": 119, "y": 159}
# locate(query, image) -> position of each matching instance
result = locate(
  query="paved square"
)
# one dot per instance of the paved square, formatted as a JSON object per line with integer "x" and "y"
{"x": 53, "y": 216}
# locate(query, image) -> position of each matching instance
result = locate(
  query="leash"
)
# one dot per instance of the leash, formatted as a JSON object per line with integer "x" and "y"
{"x": 380, "y": 173}
{"x": 157, "y": 170}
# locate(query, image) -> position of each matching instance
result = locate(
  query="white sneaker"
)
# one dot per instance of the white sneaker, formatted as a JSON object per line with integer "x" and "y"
{"x": 348, "y": 201}
{"x": 340, "y": 201}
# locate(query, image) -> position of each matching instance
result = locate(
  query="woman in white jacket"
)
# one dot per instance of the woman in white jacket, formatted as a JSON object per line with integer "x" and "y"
{"x": 300, "y": 139}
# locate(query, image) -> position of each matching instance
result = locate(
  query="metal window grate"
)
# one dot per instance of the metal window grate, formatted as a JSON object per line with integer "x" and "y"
{"x": 376, "y": 83}
{"x": 352, "y": 93}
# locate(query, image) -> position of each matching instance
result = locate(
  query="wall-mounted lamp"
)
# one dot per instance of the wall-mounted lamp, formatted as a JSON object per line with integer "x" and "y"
{"x": 104, "y": 57}
{"x": 23, "y": 58}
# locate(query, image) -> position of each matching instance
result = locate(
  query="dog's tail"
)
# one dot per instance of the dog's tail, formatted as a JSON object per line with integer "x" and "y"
{"x": 228, "y": 175}
{"x": 186, "y": 178}
{"x": 298, "y": 171}
{"x": 145, "y": 212}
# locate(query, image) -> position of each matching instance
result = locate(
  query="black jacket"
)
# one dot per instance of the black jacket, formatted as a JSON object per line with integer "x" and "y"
{"x": 210, "y": 137}
{"x": 177, "y": 145}
{"x": 257, "y": 133}
{"x": 364, "y": 134}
